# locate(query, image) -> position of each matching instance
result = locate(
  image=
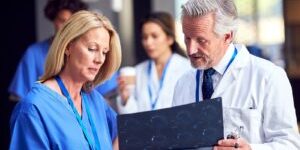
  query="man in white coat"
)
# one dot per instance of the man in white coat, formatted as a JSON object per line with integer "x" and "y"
{"x": 256, "y": 94}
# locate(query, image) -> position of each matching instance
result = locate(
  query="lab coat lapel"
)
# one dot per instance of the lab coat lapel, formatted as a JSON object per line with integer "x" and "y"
{"x": 230, "y": 76}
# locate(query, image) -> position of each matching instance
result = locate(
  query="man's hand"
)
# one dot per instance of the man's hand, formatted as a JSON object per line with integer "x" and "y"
{"x": 232, "y": 144}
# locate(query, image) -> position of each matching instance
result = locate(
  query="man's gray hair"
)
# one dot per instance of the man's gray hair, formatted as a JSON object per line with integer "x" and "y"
{"x": 225, "y": 13}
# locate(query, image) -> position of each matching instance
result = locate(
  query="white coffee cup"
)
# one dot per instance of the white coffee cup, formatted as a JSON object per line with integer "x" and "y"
{"x": 129, "y": 73}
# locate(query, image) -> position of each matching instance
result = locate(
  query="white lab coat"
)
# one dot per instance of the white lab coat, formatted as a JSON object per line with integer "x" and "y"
{"x": 140, "y": 100}
{"x": 257, "y": 95}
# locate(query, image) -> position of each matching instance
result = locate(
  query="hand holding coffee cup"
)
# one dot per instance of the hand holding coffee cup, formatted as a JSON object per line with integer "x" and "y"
{"x": 126, "y": 82}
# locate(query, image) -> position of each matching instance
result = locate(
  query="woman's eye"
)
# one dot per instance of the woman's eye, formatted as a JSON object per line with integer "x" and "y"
{"x": 91, "y": 49}
{"x": 154, "y": 36}
{"x": 105, "y": 52}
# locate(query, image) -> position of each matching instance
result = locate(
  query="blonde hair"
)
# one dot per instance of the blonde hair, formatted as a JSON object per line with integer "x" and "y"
{"x": 80, "y": 23}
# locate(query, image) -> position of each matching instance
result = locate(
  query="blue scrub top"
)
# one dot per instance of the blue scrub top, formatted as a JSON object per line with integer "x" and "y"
{"x": 45, "y": 120}
{"x": 108, "y": 85}
{"x": 30, "y": 68}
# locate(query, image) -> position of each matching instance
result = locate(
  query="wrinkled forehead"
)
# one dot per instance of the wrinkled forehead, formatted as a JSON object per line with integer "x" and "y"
{"x": 193, "y": 24}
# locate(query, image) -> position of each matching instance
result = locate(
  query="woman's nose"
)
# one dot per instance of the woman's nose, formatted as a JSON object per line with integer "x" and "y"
{"x": 99, "y": 58}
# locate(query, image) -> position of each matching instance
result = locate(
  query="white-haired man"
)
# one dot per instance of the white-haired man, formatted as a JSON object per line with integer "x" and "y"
{"x": 256, "y": 94}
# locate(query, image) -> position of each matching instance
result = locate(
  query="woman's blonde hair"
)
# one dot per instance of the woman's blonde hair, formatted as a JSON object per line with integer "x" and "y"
{"x": 80, "y": 23}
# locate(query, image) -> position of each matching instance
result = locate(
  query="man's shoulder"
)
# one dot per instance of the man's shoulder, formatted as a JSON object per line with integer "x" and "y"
{"x": 254, "y": 63}
{"x": 38, "y": 46}
{"x": 264, "y": 65}
{"x": 265, "y": 69}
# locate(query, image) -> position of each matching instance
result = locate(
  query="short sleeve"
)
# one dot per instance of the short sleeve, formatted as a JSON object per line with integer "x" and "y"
{"x": 27, "y": 131}
{"x": 29, "y": 69}
{"x": 25, "y": 75}
{"x": 111, "y": 116}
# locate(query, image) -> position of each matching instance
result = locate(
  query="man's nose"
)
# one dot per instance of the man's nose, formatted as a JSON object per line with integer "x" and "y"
{"x": 191, "y": 47}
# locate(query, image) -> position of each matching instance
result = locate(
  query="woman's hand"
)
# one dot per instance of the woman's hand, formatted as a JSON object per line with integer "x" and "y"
{"x": 126, "y": 85}
{"x": 116, "y": 144}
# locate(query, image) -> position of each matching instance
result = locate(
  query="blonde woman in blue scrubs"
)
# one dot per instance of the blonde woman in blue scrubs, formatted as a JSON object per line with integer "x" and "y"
{"x": 63, "y": 111}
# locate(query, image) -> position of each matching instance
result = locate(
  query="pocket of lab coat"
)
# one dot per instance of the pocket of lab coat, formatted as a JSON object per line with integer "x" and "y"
{"x": 246, "y": 121}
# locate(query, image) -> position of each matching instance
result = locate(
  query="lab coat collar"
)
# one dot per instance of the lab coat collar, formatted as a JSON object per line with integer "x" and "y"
{"x": 229, "y": 78}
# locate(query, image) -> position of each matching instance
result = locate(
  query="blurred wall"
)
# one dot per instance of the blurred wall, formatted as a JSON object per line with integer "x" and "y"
{"x": 292, "y": 47}
{"x": 164, "y": 5}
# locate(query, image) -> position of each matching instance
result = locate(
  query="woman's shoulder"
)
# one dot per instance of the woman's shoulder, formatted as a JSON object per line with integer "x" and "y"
{"x": 180, "y": 63}
{"x": 40, "y": 95}
{"x": 180, "y": 59}
{"x": 142, "y": 64}
{"x": 96, "y": 98}
{"x": 142, "y": 67}
{"x": 33, "y": 102}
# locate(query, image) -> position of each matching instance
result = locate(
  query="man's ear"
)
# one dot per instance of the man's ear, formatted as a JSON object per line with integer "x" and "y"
{"x": 228, "y": 37}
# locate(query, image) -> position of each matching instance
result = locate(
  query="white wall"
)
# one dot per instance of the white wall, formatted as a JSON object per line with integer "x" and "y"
{"x": 44, "y": 27}
{"x": 164, "y": 5}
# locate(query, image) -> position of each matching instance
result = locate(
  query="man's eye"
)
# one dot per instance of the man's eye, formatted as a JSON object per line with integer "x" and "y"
{"x": 187, "y": 39}
{"x": 201, "y": 41}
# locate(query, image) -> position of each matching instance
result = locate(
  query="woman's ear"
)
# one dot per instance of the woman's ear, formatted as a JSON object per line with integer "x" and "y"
{"x": 171, "y": 40}
{"x": 67, "y": 51}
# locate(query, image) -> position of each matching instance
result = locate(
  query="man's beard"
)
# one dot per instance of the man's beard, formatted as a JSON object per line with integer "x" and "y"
{"x": 204, "y": 62}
